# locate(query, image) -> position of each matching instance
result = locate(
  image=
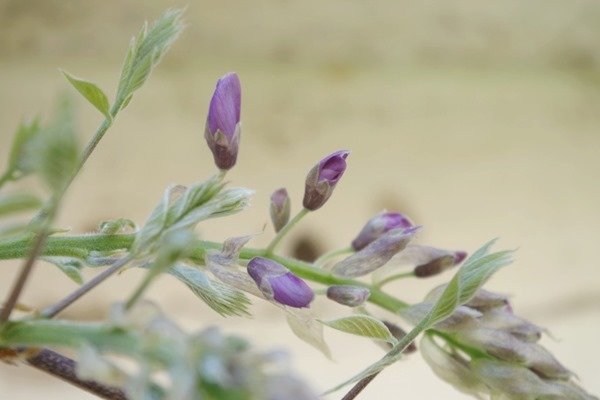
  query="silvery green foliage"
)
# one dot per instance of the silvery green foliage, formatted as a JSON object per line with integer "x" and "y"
{"x": 145, "y": 51}
{"x": 484, "y": 349}
{"x": 54, "y": 154}
{"x": 19, "y": 159}
{"x": 469, "y": 278}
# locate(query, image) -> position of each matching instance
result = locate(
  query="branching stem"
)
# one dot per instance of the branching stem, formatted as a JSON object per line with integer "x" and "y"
{"x": 280, "y": 235}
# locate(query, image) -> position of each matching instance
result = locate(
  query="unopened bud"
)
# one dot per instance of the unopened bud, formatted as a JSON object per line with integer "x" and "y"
{"x": 376, "y": 254}
{"x": 440, "y": 264}
{"x": 222, "y": 130}
{"x": 377, "y": 226}
{"x": 280, "y": 208}
{"x": 277, "y": 283}
{"x": 347, "y": 295}
{"x": 322, "y": 178}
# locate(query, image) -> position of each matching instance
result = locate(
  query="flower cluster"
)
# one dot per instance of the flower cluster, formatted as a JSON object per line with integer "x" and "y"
{"x": 484, "y": 348}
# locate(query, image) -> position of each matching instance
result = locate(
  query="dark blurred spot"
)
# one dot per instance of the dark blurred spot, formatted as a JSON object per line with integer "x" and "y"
{"x": 305, "y": 248}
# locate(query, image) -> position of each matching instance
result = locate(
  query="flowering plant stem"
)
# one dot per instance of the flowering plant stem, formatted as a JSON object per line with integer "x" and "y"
{"x": 320, "y": 262}
{"x": 82, "y": 245}
{"x": 271, "y": 247}
{"x": 391, "y": 278}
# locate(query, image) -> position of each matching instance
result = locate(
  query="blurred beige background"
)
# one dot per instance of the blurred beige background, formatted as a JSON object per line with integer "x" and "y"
{"x": 476, "y": 118}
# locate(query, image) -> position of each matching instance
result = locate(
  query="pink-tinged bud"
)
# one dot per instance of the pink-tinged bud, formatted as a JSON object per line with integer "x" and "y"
{"x": 376, "y": 254}
{"x": 377, "y": 226}
{"x": 322, "y": 178}
{"x": 439, "y": 264}
{"x": 280, "y": 208}
{"x": 347, "y": 295}
{"x": 222, "y": 130}
{"x": 277, "y": 283}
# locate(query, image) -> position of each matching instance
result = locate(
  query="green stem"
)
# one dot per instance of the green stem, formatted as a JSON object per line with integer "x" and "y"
{"x": 271, "y": 247}
{"x": 319, "y": 262}
{"x": 391, "y": 278}
{"x": 5, "y": 177}
{"x": 39, "y": 240}
{"x": 81, "y": 244}
{"x": 91, "y": 146}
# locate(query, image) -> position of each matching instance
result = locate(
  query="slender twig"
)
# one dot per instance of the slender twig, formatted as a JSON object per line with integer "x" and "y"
{"x": 319, "y": 262}
{"x": 51, "y": 311}
{"x": 285, "y": 230}
{"x": 403, "y": 275}
{"x": 360, "y": 385}
{"x": 36, "y": 250}
{"x": 64, "y": 368}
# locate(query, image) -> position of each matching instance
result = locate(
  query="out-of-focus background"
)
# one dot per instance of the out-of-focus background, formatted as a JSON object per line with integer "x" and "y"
{"x": 477, "y": 119}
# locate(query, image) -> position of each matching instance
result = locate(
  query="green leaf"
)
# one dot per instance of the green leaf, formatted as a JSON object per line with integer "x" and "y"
{"x": 155, "y": 223}
{"x": 91, "y": 92}
{"x": 363, "y": 325}
{"x": 19, "y": 160}
{"x": 222, "y": 298}
{"x": 70, "y": 266}
{"x": 471, "y": 276}
{"x": 55, "y": 153}
{"x": 18, "y": 202}
{"x": 306, "y": 327}
{"x": 145, "y": 51}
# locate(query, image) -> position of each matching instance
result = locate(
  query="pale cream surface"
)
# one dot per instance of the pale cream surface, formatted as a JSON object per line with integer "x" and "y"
{"x": 473, "y": 134}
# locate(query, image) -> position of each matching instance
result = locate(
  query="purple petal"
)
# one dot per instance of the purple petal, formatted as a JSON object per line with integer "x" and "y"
{"x": 332, "y": 167}
{"x": 290, "y": 290}
{"x": 224, "y": 109}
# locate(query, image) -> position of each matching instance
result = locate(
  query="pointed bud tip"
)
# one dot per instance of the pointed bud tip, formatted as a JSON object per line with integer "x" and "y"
{"x": 277, "y": 283}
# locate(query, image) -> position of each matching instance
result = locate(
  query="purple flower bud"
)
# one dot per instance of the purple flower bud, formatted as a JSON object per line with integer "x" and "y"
{"x": 280, "y": 208}
{"x": 277, "y": 283}
{"x": 376, "y": 254}
{"x": 439, "y": 264}
{"x": 222, "y": 130}
{"x": 322, "y": 178}
{"x": 377, "y": 226}
{"x": 347, "y": 295}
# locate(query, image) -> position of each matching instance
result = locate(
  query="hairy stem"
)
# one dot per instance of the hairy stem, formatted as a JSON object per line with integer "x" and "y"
{"x": 80, "y": 245}
{"x": 34, "y": 253}
{"x": 64, "y": 368}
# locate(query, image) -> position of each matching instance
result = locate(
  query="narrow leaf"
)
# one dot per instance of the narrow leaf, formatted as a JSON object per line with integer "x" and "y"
{"x": 145, "y": 51}
{"x": 91, "y": 92}
{"x": 306, "y": 327}
{"x": 18, "y": 202}
{"x": 362, "y": 325}
{"x": 224, "y": 299}
{"x": 70, "y": 266}
{"x": 19, "y": 160}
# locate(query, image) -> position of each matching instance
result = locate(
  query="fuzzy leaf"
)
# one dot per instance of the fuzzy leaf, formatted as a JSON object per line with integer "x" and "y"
{"x": 155, "y": 223}
{"x": 362, "y": 325}
{"x": 145, "y": 52}
{"x": 222, "y": 298}
{"x": 91, "y": 92}
{"x": 18, "y": 202}
{"x": 70, "y": 266}
{"x": 19, "y": 160}
{"x": 471, "y": 276}
{"x": 306, "y": 327}
{"x": 55, "y": 153}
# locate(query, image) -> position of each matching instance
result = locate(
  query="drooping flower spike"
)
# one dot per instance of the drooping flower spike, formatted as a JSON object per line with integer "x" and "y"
{"x": 223, "y": 128}
{"x": 277, "y": 283}
{"x": 322, "y": 178}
